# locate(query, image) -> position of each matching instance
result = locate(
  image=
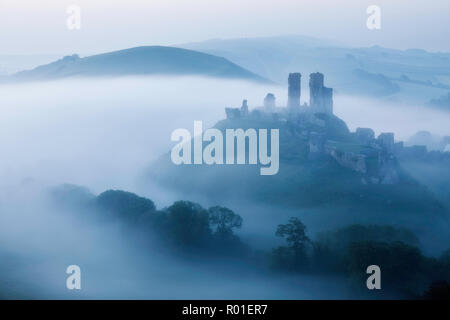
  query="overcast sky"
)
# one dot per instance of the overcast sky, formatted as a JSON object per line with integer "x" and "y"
{"x": 39, "y": 26}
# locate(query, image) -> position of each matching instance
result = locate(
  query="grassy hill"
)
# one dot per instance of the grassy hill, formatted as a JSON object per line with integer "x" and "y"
{"x": 151, "y": 60}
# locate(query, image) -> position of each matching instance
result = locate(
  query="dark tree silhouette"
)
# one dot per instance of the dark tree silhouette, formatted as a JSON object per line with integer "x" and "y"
{"x": 187, "y": 224}
{"x": 224, "y": 221}
{"x": 294, "y": 256}
{"x": 438, "y": 290}
{"x": 295, "y": 234}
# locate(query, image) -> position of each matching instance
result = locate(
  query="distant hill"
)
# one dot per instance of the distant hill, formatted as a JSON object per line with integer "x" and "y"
{"x": 151, "y": 60}
{"x": 13, "y": 63}
{"x": 411, "y": 76}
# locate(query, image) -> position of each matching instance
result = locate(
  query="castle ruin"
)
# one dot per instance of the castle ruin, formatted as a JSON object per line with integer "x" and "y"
{"x": 372, "y": 157}
{"x": 294, "y": 91}
{"x": 321, "y": 99}
{"x": 269, "y": 103}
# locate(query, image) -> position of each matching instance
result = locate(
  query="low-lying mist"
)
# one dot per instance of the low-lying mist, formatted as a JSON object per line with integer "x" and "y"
{"x": 39, "y": 240}
{"x": 102, "y": 134}
{"x": 385, "y": 116}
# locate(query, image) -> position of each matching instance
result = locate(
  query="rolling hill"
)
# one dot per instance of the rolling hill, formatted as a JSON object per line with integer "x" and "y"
{"x": 150, "y": 60}
{"x": 408, "y": 76}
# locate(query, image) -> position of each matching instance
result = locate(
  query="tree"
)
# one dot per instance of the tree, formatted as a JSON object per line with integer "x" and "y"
{"x": 126, "y": 205}
{"x": 224, "y": 220}
{"x": 187, "y": 224}
{"x": 295, "y": 234}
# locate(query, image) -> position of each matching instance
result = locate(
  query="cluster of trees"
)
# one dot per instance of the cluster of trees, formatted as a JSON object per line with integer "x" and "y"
{"x": 189, "y": 228}
{"x": 184, "y": 226}
{"x": 348, "y": 251}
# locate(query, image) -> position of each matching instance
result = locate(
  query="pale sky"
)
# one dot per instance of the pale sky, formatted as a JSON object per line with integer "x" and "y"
{"x": 39, "y": 26}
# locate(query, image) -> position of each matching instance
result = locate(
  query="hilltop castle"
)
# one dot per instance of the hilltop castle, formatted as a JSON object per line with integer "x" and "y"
{"x": 320, "y": 99}
{"x": 324, "y": 134}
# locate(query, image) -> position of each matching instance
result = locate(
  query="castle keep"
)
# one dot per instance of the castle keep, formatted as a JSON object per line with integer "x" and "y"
{"x": 294, "y": 91}
{"x": 320, "y": 97}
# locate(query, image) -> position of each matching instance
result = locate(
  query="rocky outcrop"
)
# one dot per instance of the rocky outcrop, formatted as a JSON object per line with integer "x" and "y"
{"x": 350, "y": 160}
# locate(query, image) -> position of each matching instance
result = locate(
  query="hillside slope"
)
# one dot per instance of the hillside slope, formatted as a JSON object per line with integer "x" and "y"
{"x": 151, "y": 60}
{"x": 319, "y": 184}
{"x": 410, "y": 76}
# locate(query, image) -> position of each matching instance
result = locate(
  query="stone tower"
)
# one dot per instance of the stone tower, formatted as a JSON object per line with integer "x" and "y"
{"x": 244, "y": 108}
{"x": 320, "y": 97}
{"x": 269, "y": 102}
{"x": 294, "y": 90}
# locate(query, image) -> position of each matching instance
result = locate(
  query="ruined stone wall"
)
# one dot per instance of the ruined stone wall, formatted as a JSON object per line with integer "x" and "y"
{"x": 294, "y": 91}
{"x": 320, "y": 97}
